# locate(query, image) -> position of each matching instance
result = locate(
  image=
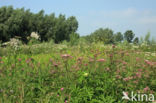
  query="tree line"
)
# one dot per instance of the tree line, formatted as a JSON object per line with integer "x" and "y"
{"x": 20, "y": 23}
{"x": 107, "y": 36}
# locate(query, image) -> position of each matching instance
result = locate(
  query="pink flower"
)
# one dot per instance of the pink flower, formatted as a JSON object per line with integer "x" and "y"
{"x": 127, "y": 79}
{"x": 0, "y": 58}
{"x": 138, "y": 75}
{"x": 137, "y": 59}
{"x": 55, "y": 64}
{"x": 101, "y": 60}
{"x": 86, "y": 64}
{"x": 140, "y": 70}
{"x": 124, "y": 62}
{"x": 146, "y": 89}
{"x": 19, "y": 59}
{"x": 148, "y": 62}
{"x": 28, "y": 60}
{"x": 65, "y": 101}
{"x": 62, "y": 89}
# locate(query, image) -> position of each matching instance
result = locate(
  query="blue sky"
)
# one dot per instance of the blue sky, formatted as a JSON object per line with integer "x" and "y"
{"x": 119, "y": 15}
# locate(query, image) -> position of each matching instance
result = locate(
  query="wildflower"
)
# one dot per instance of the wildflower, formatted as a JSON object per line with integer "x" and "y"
{"x": 0, "y": 58}
{"x": 28, "y": 60}
{"x": 146, "y": 89}
{"x": 62, "y": 89}
{"x": 1, "y": 62}
{"x": 140, "y": 70}
{"x": 65, "y": 101}
{"x": 19, "y": 59}
{"x": 85, "y": 74}
{"x": 85, "y": 64}
{"x": 148, "y": 62}
{"x": 138, "y": 74}
{"x": 101, "y": 60}
{"x": 124, "y": 62}
{"x": 137, "y": 59}
{"x": 55, "y": 64}
{"x": 34, "y": 35}
{"x": 127, "y": 79}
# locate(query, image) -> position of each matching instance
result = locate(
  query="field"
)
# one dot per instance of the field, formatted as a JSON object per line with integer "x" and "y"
{"x": 94, "y": 73}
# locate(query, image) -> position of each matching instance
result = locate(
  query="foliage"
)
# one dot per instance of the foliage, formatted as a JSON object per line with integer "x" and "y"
{"x": 74, "y": 38}
{"x": 57, "y": 73}
{"x": 118, "y": 37}
{"x": 101, "y": 35}
{"x": 136, "y": 40}
{"x": 21, "y": 22}
{"x": 129, "y": 35}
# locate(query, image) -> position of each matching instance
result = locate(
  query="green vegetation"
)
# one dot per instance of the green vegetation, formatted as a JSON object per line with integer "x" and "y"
{"x": 95, "y": 73}
{"x": 44, "y": 60}
{"x": 21, "y": 22}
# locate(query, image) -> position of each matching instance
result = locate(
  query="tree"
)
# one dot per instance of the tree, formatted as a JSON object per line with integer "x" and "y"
{"x": 21, "y": 22}
{"x": 5, "y": 13}
{"x": 118, "y": 37}
{"x": 103, "y": 35}
{"x": 72, "y": 24}
{"x": 136, "y": 40}
{"x": 129, "y": 35}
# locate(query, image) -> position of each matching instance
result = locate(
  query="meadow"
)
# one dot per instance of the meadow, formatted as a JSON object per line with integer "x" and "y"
{"x": 92, "y": 73}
